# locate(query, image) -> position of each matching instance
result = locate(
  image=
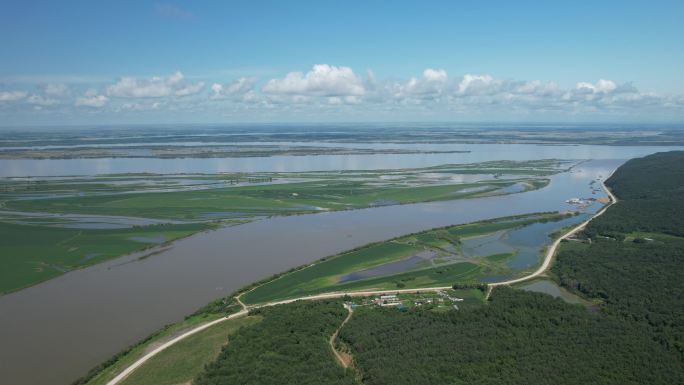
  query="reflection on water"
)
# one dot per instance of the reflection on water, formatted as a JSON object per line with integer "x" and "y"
{"x": 73, "y": 322}
{"x": 549, "y": 287}
{"x": 525, "y": 243}
{"x": 484, "y": 245}
{"x": 529, "y": 240}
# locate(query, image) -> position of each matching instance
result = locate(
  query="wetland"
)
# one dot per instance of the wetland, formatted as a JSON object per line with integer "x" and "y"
{"x": 366, "y": 198}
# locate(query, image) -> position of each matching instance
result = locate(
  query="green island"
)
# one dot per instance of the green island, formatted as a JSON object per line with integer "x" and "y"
{"x": 626, "y": 265}
{"x": 200, "y": 151}
{"x": 49, "y": 226}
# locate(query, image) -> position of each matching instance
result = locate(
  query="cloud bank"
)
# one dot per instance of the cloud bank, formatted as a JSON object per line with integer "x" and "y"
{"x": 328, "y": 90}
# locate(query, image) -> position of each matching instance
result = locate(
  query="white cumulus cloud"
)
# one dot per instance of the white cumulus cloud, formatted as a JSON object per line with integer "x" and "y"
{"x": 473, "y": 84}
{"x": 603, "y": 86}
{"x": 433, "y": 75}
{"x": 322, "y": 80}
{"x": 155, "y": 87}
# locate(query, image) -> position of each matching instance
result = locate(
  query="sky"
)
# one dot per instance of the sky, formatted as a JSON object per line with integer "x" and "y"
{"x": 88, "y": 62}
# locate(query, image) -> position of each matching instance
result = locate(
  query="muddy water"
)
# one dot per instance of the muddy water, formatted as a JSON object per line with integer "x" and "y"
{"x": 54, "y": 332}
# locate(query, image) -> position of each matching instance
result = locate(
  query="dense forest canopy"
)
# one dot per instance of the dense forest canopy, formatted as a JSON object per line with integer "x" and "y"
{"x": 290, "y": 346}
{"x": 635, "y": 260}
{"x": 651, "y": 192}
{"x": 519, "y": 338}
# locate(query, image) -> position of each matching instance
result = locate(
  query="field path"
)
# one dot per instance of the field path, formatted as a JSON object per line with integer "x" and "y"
{"x": 545, "y": 265}
{"x": 344, "y": 359}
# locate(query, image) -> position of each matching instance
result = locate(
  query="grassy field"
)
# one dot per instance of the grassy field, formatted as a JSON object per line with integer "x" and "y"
{"x": 30, "y": 254}
{"x": 274, "y": 199}
{"x": 446, "y": 267}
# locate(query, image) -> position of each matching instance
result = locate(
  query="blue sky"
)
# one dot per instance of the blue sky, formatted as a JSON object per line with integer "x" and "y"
{"x": 135, "y": 61}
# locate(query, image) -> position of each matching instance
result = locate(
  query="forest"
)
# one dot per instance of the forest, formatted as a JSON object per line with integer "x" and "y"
{"x": 290, "y": 346}
{"x": 518, "y": 338}
{"x": 634, "y": 262}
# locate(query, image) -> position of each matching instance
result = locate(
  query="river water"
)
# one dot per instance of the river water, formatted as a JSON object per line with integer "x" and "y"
{"x": 54, "y": 332}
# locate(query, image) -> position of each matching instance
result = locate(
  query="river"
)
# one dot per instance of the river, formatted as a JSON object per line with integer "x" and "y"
{"x": 54, "y": 332}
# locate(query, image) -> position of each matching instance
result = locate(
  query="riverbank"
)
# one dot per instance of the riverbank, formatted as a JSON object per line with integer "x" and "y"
{"x": 545, "y": 265}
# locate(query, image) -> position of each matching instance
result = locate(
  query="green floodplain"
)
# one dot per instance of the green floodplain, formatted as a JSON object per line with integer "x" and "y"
{"x": 427, "y": 259}
{"x": 626, "y": 266}
{"x": 50, "y": 226}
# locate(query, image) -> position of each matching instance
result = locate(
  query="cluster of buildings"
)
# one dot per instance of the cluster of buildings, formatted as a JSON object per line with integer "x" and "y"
{"x": 393, "y": 300}
{"x": 387, "y": 300}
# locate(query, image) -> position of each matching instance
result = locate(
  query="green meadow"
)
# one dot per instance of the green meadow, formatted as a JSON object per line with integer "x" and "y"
{"x": 274, "y": 199}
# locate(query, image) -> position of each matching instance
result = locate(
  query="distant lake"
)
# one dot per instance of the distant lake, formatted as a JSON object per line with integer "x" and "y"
{"x": 478, "y": 153}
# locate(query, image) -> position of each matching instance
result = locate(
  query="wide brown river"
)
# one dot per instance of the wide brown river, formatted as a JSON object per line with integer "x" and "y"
{"x": 54, "y": 332}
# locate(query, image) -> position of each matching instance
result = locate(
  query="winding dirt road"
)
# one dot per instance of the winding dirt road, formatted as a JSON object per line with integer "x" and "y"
{"x": 344, "y": 361}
